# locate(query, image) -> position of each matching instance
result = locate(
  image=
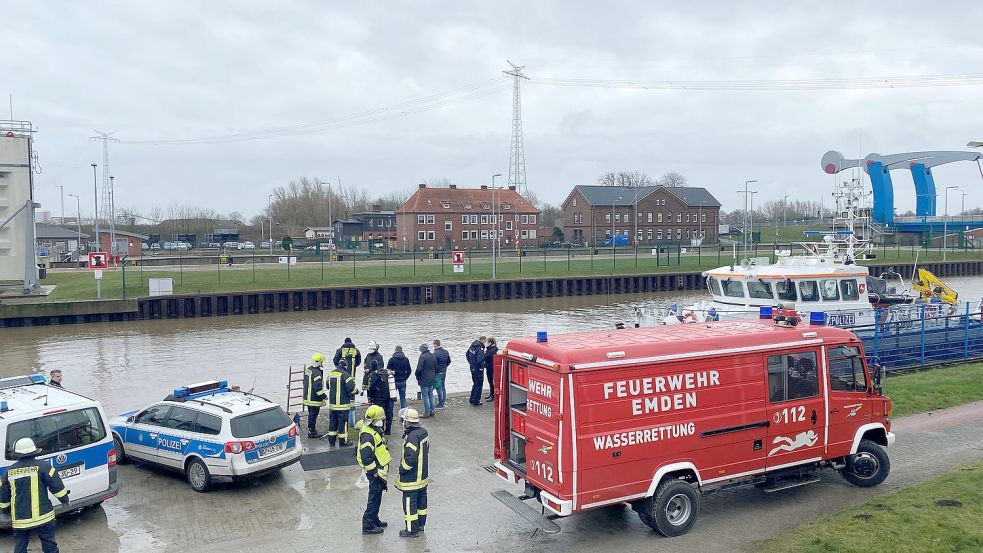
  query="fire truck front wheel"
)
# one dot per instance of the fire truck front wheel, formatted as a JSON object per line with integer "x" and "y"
{"x": 868, "y": 467}
{"x": 673, "y": 509}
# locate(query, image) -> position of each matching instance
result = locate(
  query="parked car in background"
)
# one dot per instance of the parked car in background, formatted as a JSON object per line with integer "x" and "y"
{"x": 155, "y": 246}
{"x": 182, "y": 246}
{"x": 247, "y": 245}
{"x": 170, "y": 246}
{"x": 144, "y": 246}
{"x": 559, "y": 244}
{"x": 214, "y": 245}
{"x": 231, "y": 245}
{"x": 264, "y": 244}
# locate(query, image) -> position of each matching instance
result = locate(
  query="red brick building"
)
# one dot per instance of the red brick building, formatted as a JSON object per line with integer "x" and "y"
{"x": 654, "y": 215}
{"x": 449, "y": 218}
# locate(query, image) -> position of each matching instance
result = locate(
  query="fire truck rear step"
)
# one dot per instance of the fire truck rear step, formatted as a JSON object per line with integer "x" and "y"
{"x": 789, "y": 483}
{"x": 524, "y": 510}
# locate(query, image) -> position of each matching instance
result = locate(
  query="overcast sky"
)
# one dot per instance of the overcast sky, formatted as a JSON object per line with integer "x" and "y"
{"x": 152, "y": 71}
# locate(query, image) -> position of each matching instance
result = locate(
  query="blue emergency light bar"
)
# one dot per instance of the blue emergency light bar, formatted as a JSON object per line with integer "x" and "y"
{"x": 202, "y": 389}
{"x": 541, "y": 336}
{"x": 764, "y": 312}
{"x": 25, "y": 380}
{"x": 817, "y": 318}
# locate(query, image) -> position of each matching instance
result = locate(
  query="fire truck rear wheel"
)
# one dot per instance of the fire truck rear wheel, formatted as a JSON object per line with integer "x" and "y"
{"x": 868, "y": 467}
{"x": 673, "y": 509}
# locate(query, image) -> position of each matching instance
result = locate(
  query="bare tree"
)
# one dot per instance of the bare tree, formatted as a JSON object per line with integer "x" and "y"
{"x": 438, "y": 182}
{"x": 392, "y": 201}
{"x": 626, "y": 179}
{"x": 673, "y": 179}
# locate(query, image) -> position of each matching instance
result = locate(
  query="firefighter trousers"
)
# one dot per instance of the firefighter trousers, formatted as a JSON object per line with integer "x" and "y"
{"x": 312, "y": 413}
{"x": 338, "y": 427}
{"x": 45, "y": 532}
{"x": 370, "y": 518}
{"x": 415, "y": 509}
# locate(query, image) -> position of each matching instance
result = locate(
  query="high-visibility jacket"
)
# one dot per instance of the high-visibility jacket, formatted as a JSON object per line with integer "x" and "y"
{"x": 414, "y": 467}
{"x": 341, "y": 388}
{"x": 24, "y": 489}
{"x": 314, "y": 394}
{"x": 350, "y": 354}
{"x": 373, "y": 451}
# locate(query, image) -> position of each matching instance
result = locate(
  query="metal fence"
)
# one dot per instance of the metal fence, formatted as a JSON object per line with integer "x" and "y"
{"x": 923, "y": 335}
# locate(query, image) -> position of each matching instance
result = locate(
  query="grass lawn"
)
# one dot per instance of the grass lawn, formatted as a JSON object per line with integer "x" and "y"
{"x": 935, "y": 389}
{"x": 191, "y": 279}
{"x": 943, "y": 514}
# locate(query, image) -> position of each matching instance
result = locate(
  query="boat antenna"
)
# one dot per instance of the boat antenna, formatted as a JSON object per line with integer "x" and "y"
{"x": 733, "y": 259}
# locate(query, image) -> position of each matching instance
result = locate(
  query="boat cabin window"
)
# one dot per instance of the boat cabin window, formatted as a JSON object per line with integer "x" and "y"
{"x": 759, "y": 289}
{"x": 786, "y": 290}
{"x": 809, "y": 290}
{"x": 846, "y": 370}
{"x": 829, "y": 289}
{"x": 733, "y": 288}
{"x": 715, "y": 286}
{"x": 792, "y": 376}
{"x": 849, "y": 290}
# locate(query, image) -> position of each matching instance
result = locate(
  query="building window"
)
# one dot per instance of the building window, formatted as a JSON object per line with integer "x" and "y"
{"x": 474, "y": 219}
{"x": 484, "y": 219}
{"x": 704, "y": 218}
{"x": 448, "y": 225}
{"x": 445, "y": 205}
{"x": 659, "y": 235}
{"x": 430, "y": 219}
{"x": 484, "y": 235}
{"x": 532, "y": 220}
{"x": 626, "y": 216}
{"x": 649, "y": 235}
{"x": 430, "y": 235}
{"x": 607, "y": 232}
{"x": 575, "y": 202}
{"x": 508, "y": 225}
{"x": 679, "y": 234}
{"x": 421, "y": 235}
{"x": 464, "y": 219}
{"x": 679, "y": 217}
{"x": 607, "y": 217}
{"x": 687, "y": 217}
{"x": 523, "y": 233}
{"x": 506, "y": 206}
{"x": 485, "y": 205}
{"x": 532, "y": 234}
{"x": 638, "y": 235}
{"x": 650, "y": 216}
{"x": 617, "y": 217}
{"x": 421, "y": 219}
{"x": 660, "y": 218}
{"x": 525, "y": 219}
{"x": 464, "y": 235}
{"x": 474, "y": 235}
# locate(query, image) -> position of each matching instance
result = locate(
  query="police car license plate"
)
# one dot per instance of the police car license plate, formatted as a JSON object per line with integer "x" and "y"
{"x": 70, "y": 472}
{"x": 272, "y": 450}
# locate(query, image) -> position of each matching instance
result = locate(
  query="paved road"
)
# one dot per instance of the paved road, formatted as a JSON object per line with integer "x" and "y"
{"x": 299, "y": 511}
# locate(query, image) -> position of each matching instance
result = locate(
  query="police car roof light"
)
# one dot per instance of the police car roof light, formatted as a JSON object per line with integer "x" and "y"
{"x": 817, "y": 318}
{"x": 201, "y": 389}
{"x": 764, "y": 312}
{"x": 25, "y": 380}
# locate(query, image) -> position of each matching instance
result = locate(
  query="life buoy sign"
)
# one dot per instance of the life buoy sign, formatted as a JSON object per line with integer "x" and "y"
{"x": 863, "y": 288}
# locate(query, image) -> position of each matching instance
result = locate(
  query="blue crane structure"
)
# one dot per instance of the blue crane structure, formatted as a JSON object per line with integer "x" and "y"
{"x": 878, "y": 167}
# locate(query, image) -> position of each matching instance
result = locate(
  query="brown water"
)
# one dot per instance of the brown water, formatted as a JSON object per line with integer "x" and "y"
{"x": 127, "y": 365}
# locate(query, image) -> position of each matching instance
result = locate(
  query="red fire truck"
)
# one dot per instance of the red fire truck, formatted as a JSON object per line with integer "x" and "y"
{"x": 659, "y": 417}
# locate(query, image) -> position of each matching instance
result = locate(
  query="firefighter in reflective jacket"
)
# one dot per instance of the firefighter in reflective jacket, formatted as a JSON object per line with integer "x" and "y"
{"x": 24, "y": 490}
{"x": 341, "y": 390}
{"x": 373, "y": 456}
{"x": 314, "y": 394}
{"x": 349, "y": 354}
{"x": 414, "y": 474}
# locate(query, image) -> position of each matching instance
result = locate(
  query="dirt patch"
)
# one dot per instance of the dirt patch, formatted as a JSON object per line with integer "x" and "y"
{"x": 948, "y": 503}
{"x": 864, "y": 517}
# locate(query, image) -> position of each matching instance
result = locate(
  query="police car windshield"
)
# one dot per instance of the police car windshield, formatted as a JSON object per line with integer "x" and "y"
{"x": 262, "y": 422}
{"x": 58, "y": 432}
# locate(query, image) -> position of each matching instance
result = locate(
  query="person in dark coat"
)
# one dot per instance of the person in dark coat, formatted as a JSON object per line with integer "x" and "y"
{"x": 24, "y": 490}
{"x": 476, "y": 361}
{"x": 399, "y": 366}
{"x": 378, "y": 391}
{"x": 55, "y": 378}
{"x": 350, "y": 354}
{"x": 372, "y": 355}
{"x": 443, "y": 360}
{"x": 426, "y": 372}
{"x": 490, "y": 352}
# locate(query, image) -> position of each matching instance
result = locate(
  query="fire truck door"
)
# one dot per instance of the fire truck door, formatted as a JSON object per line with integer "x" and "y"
{"x": 542, "y": 430}
{"x": 796, "y": 410}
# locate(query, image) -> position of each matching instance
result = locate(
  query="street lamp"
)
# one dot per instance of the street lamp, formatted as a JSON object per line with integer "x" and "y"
{"x": 269, "y": 213}
{"x": 494, "y": 228}
{"x": 945, "y": 222}
{"x": 78, "y": 221}
{"x": 635, "y": 237}
{"x": 95, "y": 198}
{"x": 747, "y": 220}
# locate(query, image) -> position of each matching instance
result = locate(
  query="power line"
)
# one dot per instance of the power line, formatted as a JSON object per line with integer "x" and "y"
{"x": 432, "y": 102}
{"x": 854, "y": 83}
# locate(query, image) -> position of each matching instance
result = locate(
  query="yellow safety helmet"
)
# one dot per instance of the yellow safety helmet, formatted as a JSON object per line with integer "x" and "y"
{"x": 375, "y": 413}
{"x": 317, "y": 358}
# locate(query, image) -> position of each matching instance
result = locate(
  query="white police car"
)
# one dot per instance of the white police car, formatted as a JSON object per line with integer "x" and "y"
{"x": 209, "y": 432}
{"x": 70, "y": 430}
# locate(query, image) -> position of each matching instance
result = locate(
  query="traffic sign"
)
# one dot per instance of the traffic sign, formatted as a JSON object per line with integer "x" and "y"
{"x": 457, "y": 257}
{"x": 98, "y": 260}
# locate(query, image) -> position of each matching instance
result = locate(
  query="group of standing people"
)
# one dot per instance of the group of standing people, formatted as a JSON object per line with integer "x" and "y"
{"x": 481, "y": 360}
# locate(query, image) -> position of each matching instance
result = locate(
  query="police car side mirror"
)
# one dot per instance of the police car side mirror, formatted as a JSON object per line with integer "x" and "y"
{"x": 131, "y": 418}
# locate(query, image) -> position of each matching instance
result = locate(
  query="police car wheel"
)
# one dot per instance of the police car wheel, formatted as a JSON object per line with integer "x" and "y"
{"x": 673, "y": 509}
{"x": 868, "y": 467}
{"x": 120, "y": 454}
{"x": 198, "y": 477}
